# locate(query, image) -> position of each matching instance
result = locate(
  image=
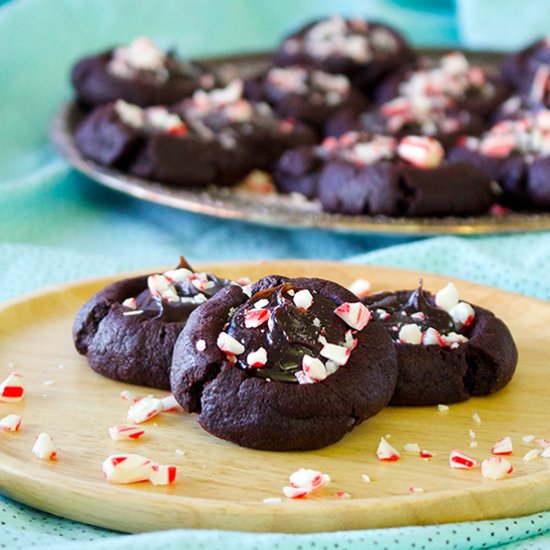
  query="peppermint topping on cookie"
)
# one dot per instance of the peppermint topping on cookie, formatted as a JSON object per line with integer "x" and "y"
{"x": 257, "y": 359}
{"x": 140, "y": 55}
{"x": 359, "y": 148}
{"x": 447, "y": 297}
{"x": 410, "y": 334}
{"x": 303, "y": 299}
{"x": 150, "y": 118}
{"x": 229, "y": 345}
{"x": 356, "y": 315}
{"x": 421, "y": 151}
{"x": 360, "y": 287}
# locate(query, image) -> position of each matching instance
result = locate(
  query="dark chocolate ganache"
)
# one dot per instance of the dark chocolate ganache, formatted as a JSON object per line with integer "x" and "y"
{"x": 395, "y": 309}
{"x": 289, "y": 333}
{"x": 190, "y": 297}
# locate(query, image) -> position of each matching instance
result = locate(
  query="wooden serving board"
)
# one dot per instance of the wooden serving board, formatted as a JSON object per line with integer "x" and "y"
{"x": 223, "y": 486}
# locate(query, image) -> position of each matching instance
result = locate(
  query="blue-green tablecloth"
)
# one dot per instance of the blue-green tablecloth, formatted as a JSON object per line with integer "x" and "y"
{"x": 57, "y": 226}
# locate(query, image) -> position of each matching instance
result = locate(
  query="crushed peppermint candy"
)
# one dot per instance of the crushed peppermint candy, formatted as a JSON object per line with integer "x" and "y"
{"x": 366, "y": 478}
{"x": 12, "y": 389}
{"x": 128, "y": 395}
{"x": 385, "y": 452}
{"x": 258, "y": 358}
{"x": 410, "y": 334}
{"x": 119, "y": 433}
{"x": 304, "y": 481}
{"x": 462, "y": 461}
{"x": 336, "y": 354}
{"x": 528, "y": 438}
{"x": 443, "y": 408}
{"x": 132, "y": 468}
{"x": 532, "y": 455}
{"x": 256, "y": 317}
{"x": 303, "y": 299}
{"x": 44, "y": 447}
{"x": 421, "y": 151}
{"x": 229, "y": 345}
{"x": 411, "y": 448}
{"x": 476, "y": 418}
{"x": 145, "y": 409}
{"x": 496, "y": 467}
{"x": 272, "y": 500}
{"x": 200, "y": 345}
{"x": 416, "y": 490}
{"x": 356, "y": 315}
{"x": 169, "y": 403}
{"x": 447, "y": 297}
{"x": 10, "y": 423}
{"x": 342, "y": 494}
{"x": 503, "y": 446}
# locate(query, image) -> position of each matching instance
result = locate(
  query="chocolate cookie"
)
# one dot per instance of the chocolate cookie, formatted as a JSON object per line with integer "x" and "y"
{"x": 516, "y": 154}
{"x": 305, "y": 94}
{"x": 362, "y": 50}
{"x": 519, "y": 68}
{"x": 360, "y": 173}
{"x": 286, "y": 365}
{"x": 447, "y": 350}
{"x": 127, "y": 331}
{"x": 139, "y": 73}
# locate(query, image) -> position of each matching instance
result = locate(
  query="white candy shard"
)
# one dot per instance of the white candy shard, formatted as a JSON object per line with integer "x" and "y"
{"x": 255, "y": 317}
{"x": 416, "y": 490}
{"x": 356, "y": 315}
{"x": 366, "y": 478}
{"x": 447, "y": 297}
{"x": 260, "y": 304}
{"x": 528, "y": 438}
{"x": 162, "y": 474}
{"x": 10, "y": 423}
{"x": 472, "y": 434}
{"x": 432, "y": 337}
{"x": 462, "y": 313}
{"x": 258, "y": 358}
{"x": 411, "y": 448}
{"x": 314, "y": 368}
{"x": 546, "y": 452}
{"x": 128, "y": 395}
{"x": 303, "y": 299}
{"x": 476, "y": 418}
{"x": 144, "y": 409}
{"x": 459, "y": 460}
{"x": 421, "y": 151}
{"x": 496, "y": 467}
{"x": 305, "y": 481}
{"x": 503, "y": 447}
{"x": 120, "y": 433}
{"x": 386, "y": 452}
{"x": 443, "y": 408}
{"x": 410, "y": 334}
{"x": 44, "y": 447}
{"x": 337, "y": 354}
{"x": 130, "y": 303}
{"x": 229, "y": 345}
{"x": 12, "y": 389}
{"x": 272, "y": 500}
{"x": 360, "y": 287}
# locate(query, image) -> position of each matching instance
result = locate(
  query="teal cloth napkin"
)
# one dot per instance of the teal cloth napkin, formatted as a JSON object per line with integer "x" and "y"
{"x": 58, "y": 226}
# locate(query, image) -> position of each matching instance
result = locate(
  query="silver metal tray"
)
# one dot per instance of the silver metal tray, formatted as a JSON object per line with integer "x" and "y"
{"x": 279, "y": 210}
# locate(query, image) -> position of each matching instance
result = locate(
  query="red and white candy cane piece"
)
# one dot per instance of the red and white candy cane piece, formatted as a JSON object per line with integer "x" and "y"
{"x": 342, "y": 494}
{"x": 360, "y": 287}
{"x": 426, "y": 454}
{"x": 503, "y": 447}
{"x": 44, "y": 447}
{"x": 295, "y": 493}
{"x": 314, "y": 368}
{"x": 385, "y": 452}
{"x": 306, "y": 478}
{"x": 163, "y": 474}
{"x": 229, "y": 345}
{"x": 169, "y": 403}
{"x": 459, "y": 460}
{"x": 421, "y": 151}
{"x": 12, "y": 389}
{"x": 130, "y": 303}
{"x": 496, "y": 467}
{"x": 355, "y": 315}
{"x": 257, "y": 359}
{"x": 10, "y": 423}
{"x": 119, "y": 433}
{"x": 303, "y": 299}
{"x": 144, "y": 409}
{"x": 432, "y": 337}
{"x": 127, "y": 468}
{"x": 349, "y": 341}
{"x": 256, "y": 317}
{"x": 335, "y": 353}
{"x": 463, "y": 314}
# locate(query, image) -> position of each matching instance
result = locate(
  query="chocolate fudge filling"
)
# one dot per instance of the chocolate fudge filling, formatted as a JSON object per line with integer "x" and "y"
{"x": 190, "y": 297}
{"x": 402, "y": 308}
{"x": 289, "y": 333}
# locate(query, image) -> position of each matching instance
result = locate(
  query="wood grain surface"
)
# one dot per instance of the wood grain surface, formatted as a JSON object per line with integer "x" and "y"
{"x": 223, "y": 486}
